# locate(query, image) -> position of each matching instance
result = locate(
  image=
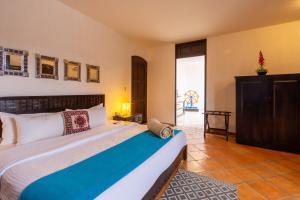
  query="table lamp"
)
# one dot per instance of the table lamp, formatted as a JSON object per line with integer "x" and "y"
{"x": 125, "y": 108}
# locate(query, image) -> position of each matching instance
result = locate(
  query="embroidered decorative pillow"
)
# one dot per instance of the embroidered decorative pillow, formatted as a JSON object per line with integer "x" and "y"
{"x": 75, "y": 121}
{"x": 97, "y": 115}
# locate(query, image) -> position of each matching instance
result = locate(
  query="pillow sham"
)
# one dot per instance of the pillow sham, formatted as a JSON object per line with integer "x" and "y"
{"x": 9, "y": 128}
{"x": 75, "y": 121}
{"x": 30, "y": 129}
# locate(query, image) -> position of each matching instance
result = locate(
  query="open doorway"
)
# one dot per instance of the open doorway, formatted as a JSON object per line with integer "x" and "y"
{"x": 190, "y": 85}
{"x": 190, "y": 91}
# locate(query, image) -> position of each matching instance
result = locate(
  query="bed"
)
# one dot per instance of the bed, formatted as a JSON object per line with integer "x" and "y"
{"x": 23, "y": 165}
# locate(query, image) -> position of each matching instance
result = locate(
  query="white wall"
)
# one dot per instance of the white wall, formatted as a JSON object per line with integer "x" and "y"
{"x": 161, "y": 83}
{"x": 51, "y": 28}
{"x": 227, "y": 56}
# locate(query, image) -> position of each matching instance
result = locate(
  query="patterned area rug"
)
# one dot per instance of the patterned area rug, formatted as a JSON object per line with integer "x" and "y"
{"x": 191, "y": 186}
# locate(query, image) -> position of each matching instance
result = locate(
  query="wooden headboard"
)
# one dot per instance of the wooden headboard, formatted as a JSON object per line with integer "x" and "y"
{"x": 41, "y": 104}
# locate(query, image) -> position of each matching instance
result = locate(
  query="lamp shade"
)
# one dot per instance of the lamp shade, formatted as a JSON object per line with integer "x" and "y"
{"x": 125, "y": 108}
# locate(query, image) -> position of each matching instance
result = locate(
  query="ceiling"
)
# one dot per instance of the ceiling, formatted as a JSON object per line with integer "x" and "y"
{"x": 164, "y": 21}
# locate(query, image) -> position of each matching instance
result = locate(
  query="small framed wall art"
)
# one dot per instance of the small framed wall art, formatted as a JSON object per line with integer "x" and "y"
{"x": 13, "y": 62}
{"x": 72, "y": 70}
{"x": 46, "y": 67}
{"x": 93, "y": 73}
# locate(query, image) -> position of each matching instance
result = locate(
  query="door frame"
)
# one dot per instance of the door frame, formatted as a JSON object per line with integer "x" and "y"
{"x": 196, "y": 48}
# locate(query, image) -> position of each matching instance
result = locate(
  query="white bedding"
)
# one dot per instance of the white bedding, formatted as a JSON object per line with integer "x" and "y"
{"x": 22, "y": 165}
{"x": 6, "y": 146}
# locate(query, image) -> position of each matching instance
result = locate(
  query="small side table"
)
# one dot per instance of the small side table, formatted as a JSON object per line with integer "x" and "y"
{"x": 138, "y": 118}
{"x": 207, "y": 127}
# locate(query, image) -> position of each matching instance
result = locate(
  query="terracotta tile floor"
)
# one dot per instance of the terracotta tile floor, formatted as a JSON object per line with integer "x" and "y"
{"x": 258, "y": 173}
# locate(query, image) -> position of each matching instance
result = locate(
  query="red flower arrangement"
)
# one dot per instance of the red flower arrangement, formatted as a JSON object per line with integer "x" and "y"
{"x": 261, "y": 61}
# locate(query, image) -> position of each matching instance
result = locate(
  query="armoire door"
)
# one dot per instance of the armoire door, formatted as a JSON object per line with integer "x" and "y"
{"x": 139, "y": 87}
{"x": 286, "y": 113}
{"x": 253, "y": 114}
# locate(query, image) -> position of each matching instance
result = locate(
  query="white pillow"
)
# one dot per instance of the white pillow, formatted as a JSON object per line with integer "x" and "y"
{"x": 9, "y": 128}
{"x": 97, "y": 115}
{"x": 98, "y": 106}
{"x": 30, "y": 129}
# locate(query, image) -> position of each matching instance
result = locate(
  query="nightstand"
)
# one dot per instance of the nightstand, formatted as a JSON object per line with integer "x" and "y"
{"x": 138, "y": 118}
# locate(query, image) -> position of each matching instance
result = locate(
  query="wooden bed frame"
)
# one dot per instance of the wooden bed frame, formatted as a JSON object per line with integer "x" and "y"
{"x": 165, "y": 176}
{"x": 43, "y": 104}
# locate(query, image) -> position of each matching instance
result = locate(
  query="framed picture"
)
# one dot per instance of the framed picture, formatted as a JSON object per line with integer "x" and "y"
{"x": 13, "y": 62}
{"x": 46, "y": 67}
{"x": 93, "y": 73}
{"x": 72, "y": 70}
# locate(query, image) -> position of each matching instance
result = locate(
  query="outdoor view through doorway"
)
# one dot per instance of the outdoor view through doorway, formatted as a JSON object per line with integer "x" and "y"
{"x": 190, "y": 92}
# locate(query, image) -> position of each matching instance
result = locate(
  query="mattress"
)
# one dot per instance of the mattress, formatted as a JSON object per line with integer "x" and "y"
{"x": 24, "y": 164}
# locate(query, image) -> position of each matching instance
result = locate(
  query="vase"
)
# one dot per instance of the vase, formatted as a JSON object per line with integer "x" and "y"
{"x": 261, "y": 73}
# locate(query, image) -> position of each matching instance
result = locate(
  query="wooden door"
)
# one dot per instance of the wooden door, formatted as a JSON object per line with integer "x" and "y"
{"x": 286, "y": 111}
{"x": 139, "y": 86}
{"x": 253, "y": 118}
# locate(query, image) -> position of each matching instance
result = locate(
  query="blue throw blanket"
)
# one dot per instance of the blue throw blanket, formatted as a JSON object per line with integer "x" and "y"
{"x": 89, "y": 178}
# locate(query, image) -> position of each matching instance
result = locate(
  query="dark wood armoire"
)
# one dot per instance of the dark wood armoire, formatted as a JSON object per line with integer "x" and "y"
{"x": 268, "y": 111}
